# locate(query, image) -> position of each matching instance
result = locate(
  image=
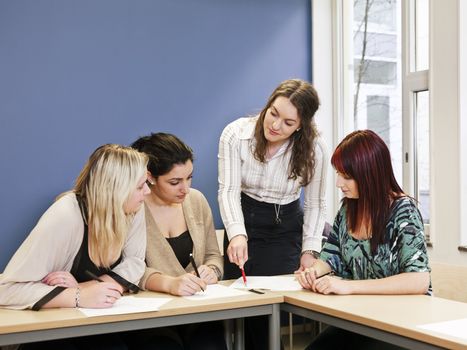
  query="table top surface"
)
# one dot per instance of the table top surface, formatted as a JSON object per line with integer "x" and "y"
{"x": 12, "y": 321}
{"x": 399, "y": 314}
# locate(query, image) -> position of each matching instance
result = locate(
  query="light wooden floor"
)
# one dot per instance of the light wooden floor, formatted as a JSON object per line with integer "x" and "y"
{"x": 300, "y": 341}
{"x": 302, "y": 335}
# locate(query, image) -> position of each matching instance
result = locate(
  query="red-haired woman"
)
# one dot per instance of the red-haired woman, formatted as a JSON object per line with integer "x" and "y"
{"x": 377, "y": 243}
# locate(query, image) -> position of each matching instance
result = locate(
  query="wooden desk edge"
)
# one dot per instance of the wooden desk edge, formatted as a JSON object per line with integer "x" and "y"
{"x": 412, "y": 333}
{"x": 76, "y": 318}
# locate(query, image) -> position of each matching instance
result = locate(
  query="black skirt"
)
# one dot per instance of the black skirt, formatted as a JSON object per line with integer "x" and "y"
{"x": 274, "y": 238}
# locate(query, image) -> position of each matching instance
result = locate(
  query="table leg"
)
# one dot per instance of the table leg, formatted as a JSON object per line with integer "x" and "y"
{"x": 275, "y": 328}
{"x": 239, "y": 340}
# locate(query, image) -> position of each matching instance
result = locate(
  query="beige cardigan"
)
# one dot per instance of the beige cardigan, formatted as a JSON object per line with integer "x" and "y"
{"x": 52, "y": 246}
{"x": 160, "y": 258}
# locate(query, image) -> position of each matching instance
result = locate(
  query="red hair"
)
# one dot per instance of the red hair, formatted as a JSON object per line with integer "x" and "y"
{"x": 363, "y": 156}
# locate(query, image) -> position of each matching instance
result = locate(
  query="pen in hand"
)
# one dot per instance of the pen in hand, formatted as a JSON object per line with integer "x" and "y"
{"x": 325, "y": 274}
{"x": 93, "y": 276}
{"x": 243, "y": 276}
{"x": 196, "y": 268}
{"x": 96, "y": 278}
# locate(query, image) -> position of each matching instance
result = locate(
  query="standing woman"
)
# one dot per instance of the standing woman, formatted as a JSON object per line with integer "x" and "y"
{"x": 264, "y": 162}
{"x": 179, "y": 223}
{"x": 377, "y": 244}
{"x": 97, "y": 227}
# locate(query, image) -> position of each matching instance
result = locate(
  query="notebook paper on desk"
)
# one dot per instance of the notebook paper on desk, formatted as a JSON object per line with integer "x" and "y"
{"x": 273, "y": 283}
{"x": 455, "y": 328}
{"x": 214, "y": 291}
{"x": 127, "y": 305}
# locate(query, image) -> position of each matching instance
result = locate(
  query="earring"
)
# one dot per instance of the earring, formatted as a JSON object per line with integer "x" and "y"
{"x": 297, "y": 130}
{"x": 149, "y": 183}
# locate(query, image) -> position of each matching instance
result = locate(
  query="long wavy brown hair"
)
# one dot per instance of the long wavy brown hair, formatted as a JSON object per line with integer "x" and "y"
{"x": 305, "y": 98}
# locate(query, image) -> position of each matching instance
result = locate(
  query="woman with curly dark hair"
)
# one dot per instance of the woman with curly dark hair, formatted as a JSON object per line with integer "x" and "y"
{"x": 264, "y": 162}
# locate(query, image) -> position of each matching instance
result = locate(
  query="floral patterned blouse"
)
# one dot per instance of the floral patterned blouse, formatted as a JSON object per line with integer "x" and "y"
{"x": 404, "y": 249}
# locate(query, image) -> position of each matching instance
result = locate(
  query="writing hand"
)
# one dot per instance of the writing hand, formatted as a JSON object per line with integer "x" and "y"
{"x": 98, "y": 295}
{"x": 186, "y": 284}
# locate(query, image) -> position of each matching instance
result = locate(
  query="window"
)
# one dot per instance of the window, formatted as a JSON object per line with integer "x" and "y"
{"x": 389, "y": 91}
{"x": 378, "y": 116}
{"x": 433, "y": 74}
{"x": 422, "y": 158}
{"x": 416, "y": 116}
{"x": 374, "y": 72}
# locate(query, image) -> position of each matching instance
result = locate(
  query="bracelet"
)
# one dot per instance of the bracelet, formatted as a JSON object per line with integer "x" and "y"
{"x": 313, "y": 253}
{"x": 77, "y": 295}
{"x": 216, "y": 271}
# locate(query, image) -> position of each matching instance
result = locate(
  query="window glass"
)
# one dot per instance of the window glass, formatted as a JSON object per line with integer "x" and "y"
{"x": 382, "y": 13}
{"x": 423, "y": 153}
{"x": 421, "y": 35}
{"x": 376, "y": 73}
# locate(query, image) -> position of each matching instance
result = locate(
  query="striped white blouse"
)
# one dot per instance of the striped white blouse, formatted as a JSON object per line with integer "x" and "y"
{"x": 268, "y": 182}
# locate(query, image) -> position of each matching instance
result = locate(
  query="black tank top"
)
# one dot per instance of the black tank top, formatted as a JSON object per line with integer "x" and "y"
{"x": 82, "y": 261}
{"x": 182, "y": 246}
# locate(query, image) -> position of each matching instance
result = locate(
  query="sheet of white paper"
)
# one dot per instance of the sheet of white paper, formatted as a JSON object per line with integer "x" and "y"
{"x": 127, "y": 305}
{"x": 455, "y": 328}
{"x": 214, "y": 291}
{"x": 274, "y": 283}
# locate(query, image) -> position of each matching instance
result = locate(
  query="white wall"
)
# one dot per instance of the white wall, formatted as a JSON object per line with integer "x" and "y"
{"x": 445, "y": 136}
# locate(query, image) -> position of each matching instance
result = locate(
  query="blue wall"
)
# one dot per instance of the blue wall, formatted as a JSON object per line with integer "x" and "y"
{"x": 77, "y": 74}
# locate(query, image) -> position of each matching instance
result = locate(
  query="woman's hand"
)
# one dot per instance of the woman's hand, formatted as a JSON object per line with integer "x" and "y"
{"x": 61, "y": 279}
{"x": 207, "y": 274}
{"x": 306, "y": 277}
{"x": 306, "y": 260}
{"x": 309, "y": 275}
{"x": 98, "y": 295}
{"x": 186, "y": 284}
{"x": 238, "y": 250}
{"x": 331, "y": 285}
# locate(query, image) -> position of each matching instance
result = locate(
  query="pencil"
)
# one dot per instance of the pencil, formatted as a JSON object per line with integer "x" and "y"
{"x": 243, "y": 276}
{"x": 195, "y": 267}
{"x": 327, "y": 273}
{"x": 93, "y": 276}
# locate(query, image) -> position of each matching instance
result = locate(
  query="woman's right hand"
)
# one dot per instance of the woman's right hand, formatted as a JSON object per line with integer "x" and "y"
{"x": 238, "y": 250}
{"x": 98, "y": 295}
{"x": 306, "y": 277}
{"x": 186, "y": 284}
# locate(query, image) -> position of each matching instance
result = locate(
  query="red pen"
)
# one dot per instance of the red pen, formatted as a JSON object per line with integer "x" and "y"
{"x": 243, "y": 276}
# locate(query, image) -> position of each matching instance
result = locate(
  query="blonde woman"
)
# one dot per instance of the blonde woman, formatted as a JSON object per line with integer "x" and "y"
{"x": 97, "y": 229}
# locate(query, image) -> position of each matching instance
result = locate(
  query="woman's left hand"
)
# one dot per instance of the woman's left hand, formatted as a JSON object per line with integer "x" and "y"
{"x": 207, "y": 274}
{"x": 331, "y": 285}
{"x": 61, "y": 279}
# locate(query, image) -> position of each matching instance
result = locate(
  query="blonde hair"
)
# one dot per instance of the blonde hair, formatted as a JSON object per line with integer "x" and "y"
{"x": 105, "y": 184}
